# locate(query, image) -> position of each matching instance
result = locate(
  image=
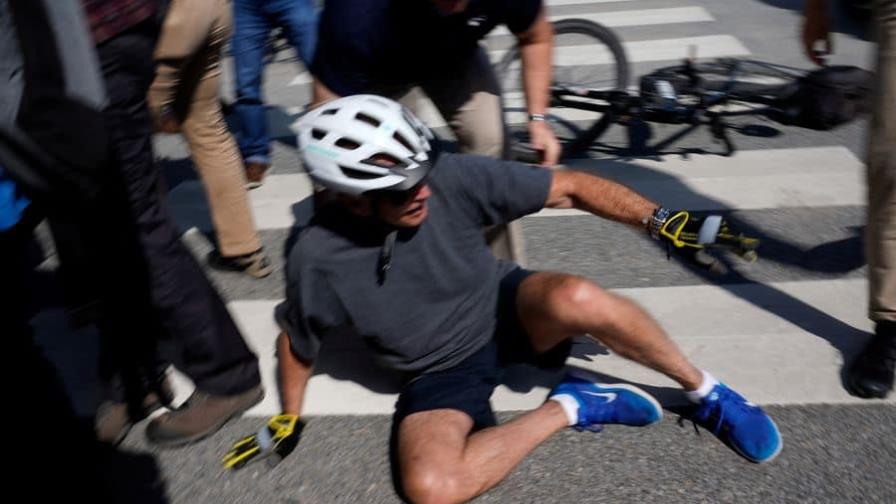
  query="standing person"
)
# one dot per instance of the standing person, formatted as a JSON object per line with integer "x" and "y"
{"x": 871, "y": 374}
{"x": 185, "y": 97}
{"x": 253, "y": 22}
{"x": 387, "y": 47}
{"x": 208, "y": 345}
{"x": 399, "y": 258}
{"x": 55, "y": 142}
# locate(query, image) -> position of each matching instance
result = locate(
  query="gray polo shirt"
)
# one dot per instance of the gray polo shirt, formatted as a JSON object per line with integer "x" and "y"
{"x": 437, "y": 303}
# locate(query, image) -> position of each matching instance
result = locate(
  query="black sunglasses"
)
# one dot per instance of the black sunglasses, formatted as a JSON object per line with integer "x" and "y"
{"x": 398, "y": 198}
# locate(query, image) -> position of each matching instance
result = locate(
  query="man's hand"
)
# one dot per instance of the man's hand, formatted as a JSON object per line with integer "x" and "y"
{"x": 690, "y": 236}
{"x": 817, "y": 29}
{"x": 320, "y": 94}
{"x": 536, "y": 50}
{"x": 274, "y": 442}
{"x": 542, "y": 138}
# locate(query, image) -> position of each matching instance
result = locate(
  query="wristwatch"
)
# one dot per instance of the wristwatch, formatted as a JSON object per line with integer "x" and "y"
{"x": 537, "y": 117}
{"x": 656, "y": 221}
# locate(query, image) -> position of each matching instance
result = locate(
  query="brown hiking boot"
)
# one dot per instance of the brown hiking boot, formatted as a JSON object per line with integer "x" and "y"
{"x": 200, "y": 416}
{"x": 113, "y": 421}
{"x": 255, "y": 172}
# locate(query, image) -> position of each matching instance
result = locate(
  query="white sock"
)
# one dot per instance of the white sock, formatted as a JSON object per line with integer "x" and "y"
{"x": 704, "y": 389}
{"x": 570, "y": 407}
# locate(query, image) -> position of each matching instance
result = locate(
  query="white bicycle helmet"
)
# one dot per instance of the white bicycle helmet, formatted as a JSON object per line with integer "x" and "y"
{"x": 344, "y": 142}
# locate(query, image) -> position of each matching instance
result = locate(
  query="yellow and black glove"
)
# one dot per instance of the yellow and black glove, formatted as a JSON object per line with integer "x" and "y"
{"x": 272, "y": 442}
{"x": 691, "y": 235}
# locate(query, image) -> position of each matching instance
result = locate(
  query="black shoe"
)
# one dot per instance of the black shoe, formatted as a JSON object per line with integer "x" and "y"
{"x": 871, "y": 375}
{"x": 255, "y": 264}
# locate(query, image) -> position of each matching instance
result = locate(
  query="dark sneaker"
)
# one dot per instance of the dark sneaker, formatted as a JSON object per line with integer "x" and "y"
{"x": 255, "y": 173}
{"x": 200, "y": 416}
{"x": 113, "y": 421}
{"x": 255, "y": 264}
{"x": 871, "y": 374}
{"x": 738, "y": 423}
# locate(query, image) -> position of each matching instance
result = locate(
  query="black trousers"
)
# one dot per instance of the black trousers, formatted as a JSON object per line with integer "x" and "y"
{"x": 198, "y": 331}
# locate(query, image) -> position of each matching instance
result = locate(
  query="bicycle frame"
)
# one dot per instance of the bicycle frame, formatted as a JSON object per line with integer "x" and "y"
{"x": 629, "y": 110}
{"x": 636, "y": 112}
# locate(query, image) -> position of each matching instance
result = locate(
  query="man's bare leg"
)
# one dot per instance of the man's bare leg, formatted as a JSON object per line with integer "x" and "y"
{"x": 554, "y": 307}
{"x": 441, "y": 461}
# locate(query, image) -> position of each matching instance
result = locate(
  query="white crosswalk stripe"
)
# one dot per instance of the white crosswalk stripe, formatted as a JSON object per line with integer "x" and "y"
{"x": 731, "y": 335}
{"x": 558, "y": 3}
{"x": 645, "y": 17}
{"x": 643, "y": 51}
{"x": 748, "y": 180}
{"x": 707, "y": 46}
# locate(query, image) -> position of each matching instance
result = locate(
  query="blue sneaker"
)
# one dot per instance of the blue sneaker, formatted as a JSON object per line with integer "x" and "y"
{"x": 740, "y": 424}
{"x": 604, "y": 403}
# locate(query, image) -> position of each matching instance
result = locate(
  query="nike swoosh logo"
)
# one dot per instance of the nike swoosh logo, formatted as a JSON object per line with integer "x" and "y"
{"x": 609, "y": 396}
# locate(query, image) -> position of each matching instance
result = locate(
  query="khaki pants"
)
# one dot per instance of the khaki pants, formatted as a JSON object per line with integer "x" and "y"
{"x": 189, "y": 71}
{"x": 469, "y": 98}
{"x": 881, "y": 231}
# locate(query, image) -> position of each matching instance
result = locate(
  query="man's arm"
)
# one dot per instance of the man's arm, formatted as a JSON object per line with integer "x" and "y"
{"x": 320, "y": 94}
{"x": 281, "y": 434}
{"x": 294, "y": 376}
{"x": 685, "y": 233}
{"x": 599, "y": 196}
{"x": 817, "y": 28}
{"x": 536, "y": 48}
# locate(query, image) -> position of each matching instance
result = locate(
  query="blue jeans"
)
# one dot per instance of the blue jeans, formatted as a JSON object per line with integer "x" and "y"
{"x": 252, "y": 22}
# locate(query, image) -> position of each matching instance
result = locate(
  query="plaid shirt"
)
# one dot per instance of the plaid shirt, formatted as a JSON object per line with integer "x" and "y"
{"x": 108, "y": 18}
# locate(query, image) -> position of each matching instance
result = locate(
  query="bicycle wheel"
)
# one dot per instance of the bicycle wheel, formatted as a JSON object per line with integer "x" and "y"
{"x": 586, "y": 55}
{"x": 747, "y": 81}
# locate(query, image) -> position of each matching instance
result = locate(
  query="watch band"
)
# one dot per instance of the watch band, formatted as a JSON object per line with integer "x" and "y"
{"x": 656, "y": 221}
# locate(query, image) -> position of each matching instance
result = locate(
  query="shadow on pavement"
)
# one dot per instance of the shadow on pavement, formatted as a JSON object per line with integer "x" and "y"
{"x": 835, "y": 257}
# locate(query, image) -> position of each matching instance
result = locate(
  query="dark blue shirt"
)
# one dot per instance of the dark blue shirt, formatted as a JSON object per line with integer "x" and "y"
{"x": 368, "y": 44}
{"x": 438, "y": 302}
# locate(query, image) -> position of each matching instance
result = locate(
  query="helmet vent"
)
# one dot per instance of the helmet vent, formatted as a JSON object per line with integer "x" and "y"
{"x": 358, "y": 174}
{"x": 317, "y": 133}
{"x": 365, "y": 118}
{"x": 384, "y": 160}
{"x": 331, "y": 111}
{"x": 347, "y": 143}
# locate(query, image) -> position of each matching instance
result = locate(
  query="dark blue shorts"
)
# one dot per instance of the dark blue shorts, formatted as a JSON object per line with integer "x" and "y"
{"x": 468, "y": 386}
